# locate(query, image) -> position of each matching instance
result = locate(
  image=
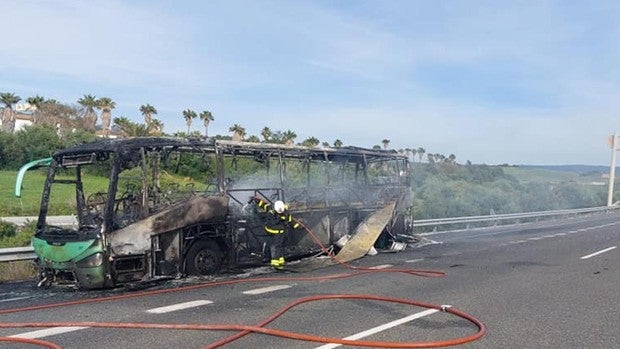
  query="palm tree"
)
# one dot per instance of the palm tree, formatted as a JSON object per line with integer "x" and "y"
{"x": 266, "y": 133}
{"x": 385, "y": 142}
{"x": 325, "y": 144}
{"x": 253, "y": 139}
{"x": 157, "y": 127}
{"x": 206, "y": 117}
{"x": 421, "y": 152}
{"x": 413, "y": 152}
{"x": 289, "y": 137}
{"x": 131, "y": 129}
{"x": 105, "y": 104}
{"x": 431, "y": 158}
{"x": 452, "y": 158}
{"x": 311, "y": 142}
{"x": 148, "y": 111}
{"x": 238, "y": 132}
{"x": 337, "y": 143}
{"x": 8, "y": 114}
{"x": 189, "y": 115}
{"x": 89, "y": 102}
{"x": 35, "y": 101}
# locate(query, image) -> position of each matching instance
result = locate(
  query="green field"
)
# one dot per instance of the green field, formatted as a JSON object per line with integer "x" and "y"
{"x": 62, "y": 200}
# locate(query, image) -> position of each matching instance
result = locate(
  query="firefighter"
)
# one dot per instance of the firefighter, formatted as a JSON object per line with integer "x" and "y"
{"x": 277, "y": 223}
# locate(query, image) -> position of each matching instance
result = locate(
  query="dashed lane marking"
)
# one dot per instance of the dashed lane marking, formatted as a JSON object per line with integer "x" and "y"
{"x": 599, "y": 252}
{"x": 414, "y": 260}
{"x": 381, "y": 328}
{"x": 267, "y": 289}
{"x": 382, "y": 266}
{"x": 47, "y": 332}
{"x": 180, "y": 306}
{"x": 14, "y": 299}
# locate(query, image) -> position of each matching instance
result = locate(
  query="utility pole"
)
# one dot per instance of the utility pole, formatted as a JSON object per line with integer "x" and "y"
{"x": 612, "y": 168}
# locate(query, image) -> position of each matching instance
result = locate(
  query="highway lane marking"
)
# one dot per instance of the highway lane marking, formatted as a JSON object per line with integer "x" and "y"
{"x": 599, "y": 252}
{"x": 382, "y": 266}
{"x": 14, "y": 299}
{"x": 414, "y": 260}
{"x": 47, "y": 332}
{"x": 266, "y": 289}
{"x": 180, "y": 306}
{"x": 560, "y": 234}
{"x": 381, "y": 328}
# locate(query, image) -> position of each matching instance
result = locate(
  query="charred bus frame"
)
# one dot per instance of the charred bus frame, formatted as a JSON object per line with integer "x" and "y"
{"x": 139, "y": 229}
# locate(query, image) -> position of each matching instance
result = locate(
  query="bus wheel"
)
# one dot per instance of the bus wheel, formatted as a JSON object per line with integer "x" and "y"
{"x": 203, "y": 258}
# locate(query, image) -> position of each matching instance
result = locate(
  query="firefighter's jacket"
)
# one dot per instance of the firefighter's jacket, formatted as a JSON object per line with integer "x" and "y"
{"x": 276, "y": 223}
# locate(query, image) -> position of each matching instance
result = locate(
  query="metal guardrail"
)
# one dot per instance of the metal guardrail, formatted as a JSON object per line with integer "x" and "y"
{"x": 17, "y": 254}
{"x": 51, "y": 220}
{"x": 508, "y": 216}
{"x": 27, "y": 253}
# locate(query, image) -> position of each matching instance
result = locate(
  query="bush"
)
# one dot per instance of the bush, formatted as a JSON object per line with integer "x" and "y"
{"x": 19, "y": 237}
{"x": 7, "y": 230}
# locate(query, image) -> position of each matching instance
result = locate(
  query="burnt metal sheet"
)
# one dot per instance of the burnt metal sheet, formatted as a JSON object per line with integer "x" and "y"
{"x": 135, "y": 238}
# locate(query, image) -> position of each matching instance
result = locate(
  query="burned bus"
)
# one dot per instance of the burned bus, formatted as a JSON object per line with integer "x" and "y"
{"x": 150, "y": 221}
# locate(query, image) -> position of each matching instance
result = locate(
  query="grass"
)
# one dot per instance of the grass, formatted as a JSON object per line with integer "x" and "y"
{"x": 20, "y": 270}
{"x": 62, "y": 199}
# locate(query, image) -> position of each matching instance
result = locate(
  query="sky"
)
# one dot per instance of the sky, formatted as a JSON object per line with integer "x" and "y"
{"x": 493, "y": 82}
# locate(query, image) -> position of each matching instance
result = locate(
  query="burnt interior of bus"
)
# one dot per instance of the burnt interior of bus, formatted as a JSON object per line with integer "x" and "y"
{"x": 330, "y": 189}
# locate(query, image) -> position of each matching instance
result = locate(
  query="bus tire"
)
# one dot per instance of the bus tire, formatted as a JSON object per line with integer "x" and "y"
{"x": 203, "y": 258}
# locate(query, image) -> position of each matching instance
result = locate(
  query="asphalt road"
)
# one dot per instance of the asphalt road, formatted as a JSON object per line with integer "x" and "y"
{"x": 544, "y": 285}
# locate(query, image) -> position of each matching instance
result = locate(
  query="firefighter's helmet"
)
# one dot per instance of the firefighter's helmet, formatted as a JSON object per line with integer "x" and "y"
{"x": 279, "y": 206}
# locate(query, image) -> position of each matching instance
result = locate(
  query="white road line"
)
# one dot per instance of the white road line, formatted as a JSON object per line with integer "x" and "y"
{"x": 414, "y": 260}
{"x": 382, "y": 328}
{"x": 47, "y": 332}
{"x": 14, "y": 299}
{"x": 267, "y": 289}
{"x": 599, "y": 252}
{"x": 560, "y": 234}
{"x": 180, "y": 306}
{"x": 382, "y": 266}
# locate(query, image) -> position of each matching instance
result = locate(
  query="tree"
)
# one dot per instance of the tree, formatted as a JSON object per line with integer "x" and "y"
{"x": 156, "y": 127}
{"x": 238, "y": 132}
{"x": 413, "y": 152}
{"x": 431, "y": 158}
{"x": 253, "y": 139}
{"x": 311, "y": 142}
{"x": 337, "y": 143}
{"x": 421, "y": 152}
{"x": 8, "y": 114}
{"x": 131, "y": 129}
{"x": 452, "y": 158}
{"x": 148, "y": 111}
{"x": 288, "y": 137}
{"x": 89, "y": 102}
{"x": 386, "y": 143}
{"x": 325, "y": 144}
{"x": 189, "y": 115}
{"x": 376, "y": 147}
{"x": 105, "y": 104}
{"x": 35, "y": 101}
{"x": 206, "y": 118}
{"x": 266, "y": 133}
